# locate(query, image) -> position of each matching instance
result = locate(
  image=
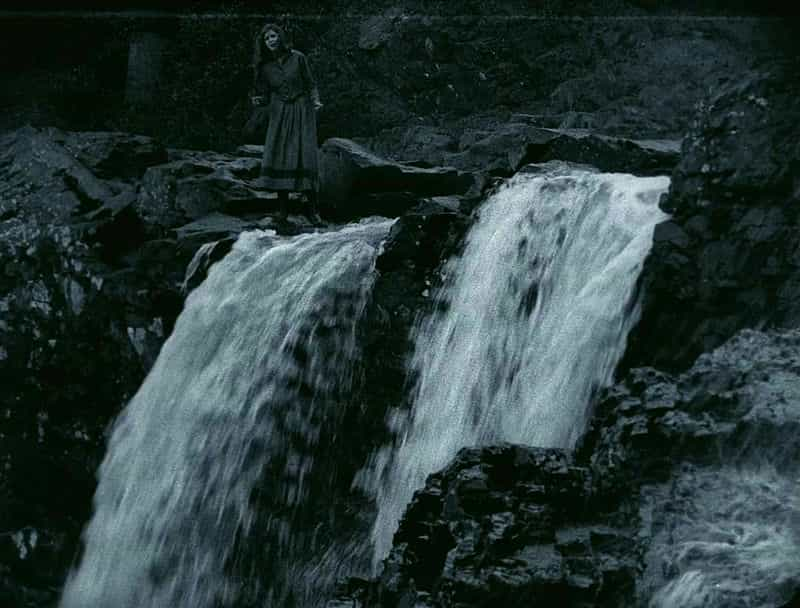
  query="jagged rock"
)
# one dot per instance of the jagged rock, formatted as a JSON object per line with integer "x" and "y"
{"x": 350, "y": 173}
{"x": 195, "y": 185}
{"x": 709, "y": 459}
{"x": 202, "y": 261}
{"x": 736, "y": 404}
{"x": 112, "y": 154}
{"x": 41, "y": 175}
{"x": 679, "y": 493}
{"x": 609, "y": 154}
{"x": 728, "y": 258}
{"x": 407, "y": 277}
{"x": 212, "y": 237}
{"x": 504, "y": 525}
{"x": 501, "y": 149}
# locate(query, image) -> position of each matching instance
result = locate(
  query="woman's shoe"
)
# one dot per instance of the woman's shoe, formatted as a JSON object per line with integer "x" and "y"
{"x": 311, "y": 209}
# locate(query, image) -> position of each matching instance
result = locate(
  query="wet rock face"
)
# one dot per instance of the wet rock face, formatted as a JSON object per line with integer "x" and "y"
{"x": 728, "y": 258}
{"x": 408, "y": 274}
{"x": 505, "y": 525}
{"x": 740, "y": 403}
{"x": 708, "y": 459}
{"x": 680, "y": 494}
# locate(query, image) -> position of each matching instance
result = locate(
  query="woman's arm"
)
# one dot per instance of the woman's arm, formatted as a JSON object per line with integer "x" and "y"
{"x": 261, "y": 90}
{"x": 310, "y": 82}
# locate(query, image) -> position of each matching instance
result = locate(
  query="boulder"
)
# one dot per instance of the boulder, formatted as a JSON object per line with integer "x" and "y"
{"x": 350, "y": 173}
{"x": 608, "y": 154}
{"x": 194, "y": 185}
{"x": 112, "y": 154}
{"x": 497, "y": 150}
{"x": 415, "y": 144}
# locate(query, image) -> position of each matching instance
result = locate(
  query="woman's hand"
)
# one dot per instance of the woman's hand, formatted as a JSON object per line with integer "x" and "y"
{"x": 257, "y": 100}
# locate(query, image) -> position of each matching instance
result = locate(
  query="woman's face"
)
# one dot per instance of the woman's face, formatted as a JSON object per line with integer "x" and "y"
{"x": 272, "y": 40}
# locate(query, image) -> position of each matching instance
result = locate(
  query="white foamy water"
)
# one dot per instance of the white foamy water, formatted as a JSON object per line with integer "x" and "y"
{"x": 536, "y": 314}
{"x": 261, "y": 350}
{"x": 730, "y": 537}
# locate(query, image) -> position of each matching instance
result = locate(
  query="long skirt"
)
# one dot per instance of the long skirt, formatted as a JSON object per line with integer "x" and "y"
{"x": 290, "y": 148}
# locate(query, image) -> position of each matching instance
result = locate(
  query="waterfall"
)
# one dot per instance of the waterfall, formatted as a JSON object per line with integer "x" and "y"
{"x": 233, "y": 415}
{"x": 530, "y": 320}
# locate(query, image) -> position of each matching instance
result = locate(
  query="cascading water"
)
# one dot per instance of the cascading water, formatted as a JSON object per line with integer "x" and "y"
{"x": 532, "y": 318}
{"x": 241, "y": 393}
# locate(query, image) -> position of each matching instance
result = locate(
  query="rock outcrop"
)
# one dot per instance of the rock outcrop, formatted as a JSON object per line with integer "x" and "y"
{"x": 728, "y": 258}
{"x": 501, "y": 148}
{"x": 195, "y": 184}
{"x": 357, "y": 183}
{"x": 686, "y": 492}
{"x": 680, "y": 494}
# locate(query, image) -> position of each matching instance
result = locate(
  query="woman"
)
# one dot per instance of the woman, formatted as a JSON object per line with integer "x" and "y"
{"x": 283, "y": 80}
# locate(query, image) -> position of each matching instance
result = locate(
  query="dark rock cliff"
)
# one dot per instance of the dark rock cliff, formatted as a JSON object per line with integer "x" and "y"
{"x": 728, "y": 258}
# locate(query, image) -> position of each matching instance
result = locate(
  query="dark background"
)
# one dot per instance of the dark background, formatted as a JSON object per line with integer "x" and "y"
{"x": 66, "y": 64}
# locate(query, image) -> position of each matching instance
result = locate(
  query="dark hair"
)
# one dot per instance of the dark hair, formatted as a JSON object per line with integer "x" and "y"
{"x": 261, "y": 54}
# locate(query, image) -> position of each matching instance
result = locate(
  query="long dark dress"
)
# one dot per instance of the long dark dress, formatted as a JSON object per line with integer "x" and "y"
{"x": 290, "y": 147}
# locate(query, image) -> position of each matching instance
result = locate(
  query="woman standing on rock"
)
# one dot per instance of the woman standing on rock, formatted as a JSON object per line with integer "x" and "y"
{"x": 284, "y": 82}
